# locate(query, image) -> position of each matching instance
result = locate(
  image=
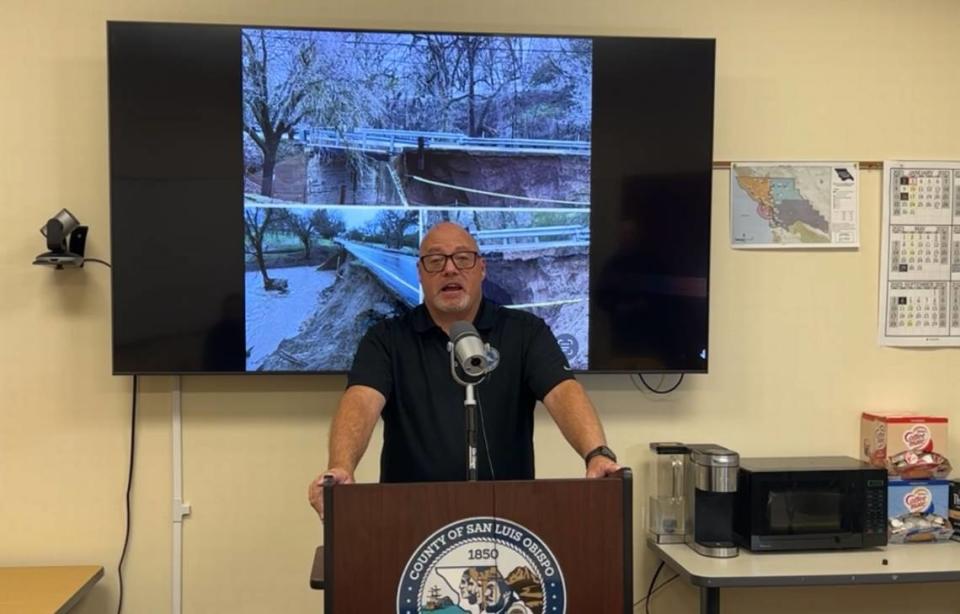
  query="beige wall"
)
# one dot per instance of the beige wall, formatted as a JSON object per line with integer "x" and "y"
{"x": 793, "y": 352}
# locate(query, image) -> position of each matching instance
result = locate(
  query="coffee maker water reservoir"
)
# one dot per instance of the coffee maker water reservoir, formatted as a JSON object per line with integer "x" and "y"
{"x": 666, "y": 520}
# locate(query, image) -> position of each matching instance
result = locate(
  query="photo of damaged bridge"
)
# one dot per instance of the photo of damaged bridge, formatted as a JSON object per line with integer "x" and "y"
{"x": 492, "y": 133}
{"x": 398, "y": 270}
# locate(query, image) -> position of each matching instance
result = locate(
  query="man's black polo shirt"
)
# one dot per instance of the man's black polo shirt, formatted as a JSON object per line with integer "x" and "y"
{"x": 424, "y": 420}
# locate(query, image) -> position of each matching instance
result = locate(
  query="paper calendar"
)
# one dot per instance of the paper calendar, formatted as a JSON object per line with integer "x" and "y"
{"x": 920, "y": 254}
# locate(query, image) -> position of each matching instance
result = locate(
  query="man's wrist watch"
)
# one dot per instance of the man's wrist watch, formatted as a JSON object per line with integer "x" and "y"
{"x": 600, "y": 451}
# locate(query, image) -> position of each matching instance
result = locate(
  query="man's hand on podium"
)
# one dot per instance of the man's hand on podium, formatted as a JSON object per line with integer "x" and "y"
{"x": 601, "y": 467}
{"x": 315, "y": 490}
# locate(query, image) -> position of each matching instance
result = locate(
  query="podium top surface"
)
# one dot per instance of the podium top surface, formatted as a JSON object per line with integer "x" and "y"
{"x": 905, "y": 563}
{"x": 45, "y": 590}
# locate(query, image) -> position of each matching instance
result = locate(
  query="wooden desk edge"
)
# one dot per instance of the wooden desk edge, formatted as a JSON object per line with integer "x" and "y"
{"x": 316, "y": 572}
{"x": 78, "y": 595}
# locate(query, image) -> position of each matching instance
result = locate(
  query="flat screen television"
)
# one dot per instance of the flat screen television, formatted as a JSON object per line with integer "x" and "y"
{"x": 269, "y": 188}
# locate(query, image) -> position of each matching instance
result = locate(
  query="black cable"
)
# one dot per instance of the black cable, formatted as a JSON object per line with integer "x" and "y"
{"x": 657, "y": 590}
{"x": 483, "y": 431}
{"x": 103, "y": 262}
{"x": 656, "y": 390}
{"x": 651, "y": 591}
{"x": 126, "y": 537}
{"x": 653, "y": 581}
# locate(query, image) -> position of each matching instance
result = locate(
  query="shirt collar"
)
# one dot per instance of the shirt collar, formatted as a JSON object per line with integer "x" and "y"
{"x": 486, "y": 317}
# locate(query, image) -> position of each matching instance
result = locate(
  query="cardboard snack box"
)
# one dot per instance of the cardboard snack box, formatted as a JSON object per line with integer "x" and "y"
{"x": 906, "y": 444}
{"x": 955, "y": 508}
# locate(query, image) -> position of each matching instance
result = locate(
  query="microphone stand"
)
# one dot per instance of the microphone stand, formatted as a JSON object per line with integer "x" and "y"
{"x": 470, "y": 405}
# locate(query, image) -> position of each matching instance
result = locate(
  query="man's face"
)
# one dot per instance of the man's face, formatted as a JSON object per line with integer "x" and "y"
{"x": 469, "y": 590}
{"x": 493, "y": 595}
{"x": 451, "y": 290}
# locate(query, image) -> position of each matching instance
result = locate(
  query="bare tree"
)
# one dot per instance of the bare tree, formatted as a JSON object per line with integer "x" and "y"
{"x": 470, "y": 73}
{"x": 300, "y": 225}
{"x": 559, "y": 96}
{"x": 257, "y": 223}
{"x": 295, "y": 81}
{"x": 328, "y": 224}
{"x": 277, "y": 98}
{"x": 393, "y": 225}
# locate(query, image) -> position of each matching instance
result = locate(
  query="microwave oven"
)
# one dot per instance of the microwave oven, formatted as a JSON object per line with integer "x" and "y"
{"x": 810, "y": 503}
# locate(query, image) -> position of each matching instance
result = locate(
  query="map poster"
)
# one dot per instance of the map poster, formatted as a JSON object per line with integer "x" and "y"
{"x": 920, "y": 254}
{"x": 795, "y": 205}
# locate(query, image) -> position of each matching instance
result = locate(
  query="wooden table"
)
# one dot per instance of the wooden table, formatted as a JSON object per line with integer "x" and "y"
{"x": 894, "y": 564}
{"x": 45, "y": 590}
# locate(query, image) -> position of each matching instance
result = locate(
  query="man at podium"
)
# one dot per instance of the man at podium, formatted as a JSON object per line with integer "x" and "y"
{"x": 402, "y": 374}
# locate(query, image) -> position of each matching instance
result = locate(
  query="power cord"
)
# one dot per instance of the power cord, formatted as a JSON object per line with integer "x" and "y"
{"x": 97, "y": 260}
{"x": 651, "y": 591}
{"x": 126, "y": 538}
{"x": 656, "y": 390}
{"x": 483, "y": 431}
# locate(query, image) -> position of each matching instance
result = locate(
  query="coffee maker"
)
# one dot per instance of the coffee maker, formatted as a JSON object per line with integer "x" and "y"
{"x": 710, "y": 473}
{"x": 666, "y": 519}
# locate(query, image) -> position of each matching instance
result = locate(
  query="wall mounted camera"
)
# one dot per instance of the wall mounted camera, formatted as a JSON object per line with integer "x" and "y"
{"x": 66, "y": 241}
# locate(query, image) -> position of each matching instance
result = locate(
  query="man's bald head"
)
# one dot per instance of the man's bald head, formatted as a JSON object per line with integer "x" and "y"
{"x": 446, "y": 233}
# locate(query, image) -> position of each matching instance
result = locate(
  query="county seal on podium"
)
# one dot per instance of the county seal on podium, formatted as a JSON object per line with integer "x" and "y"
{"x": 482, "y": 565}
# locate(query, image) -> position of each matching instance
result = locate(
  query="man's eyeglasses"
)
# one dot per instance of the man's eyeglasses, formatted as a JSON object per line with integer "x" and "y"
{"x": 434, "y": 263}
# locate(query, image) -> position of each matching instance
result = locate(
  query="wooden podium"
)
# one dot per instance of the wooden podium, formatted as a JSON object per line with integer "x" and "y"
{"x": 545, "y": 546}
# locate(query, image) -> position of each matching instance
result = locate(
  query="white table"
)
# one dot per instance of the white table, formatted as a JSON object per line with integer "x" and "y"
{"x": 894, "y": 564}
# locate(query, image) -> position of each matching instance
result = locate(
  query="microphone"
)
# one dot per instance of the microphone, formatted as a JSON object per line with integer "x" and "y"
{"x": 472, "y": 354}
{"x": 476, "y": 359}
